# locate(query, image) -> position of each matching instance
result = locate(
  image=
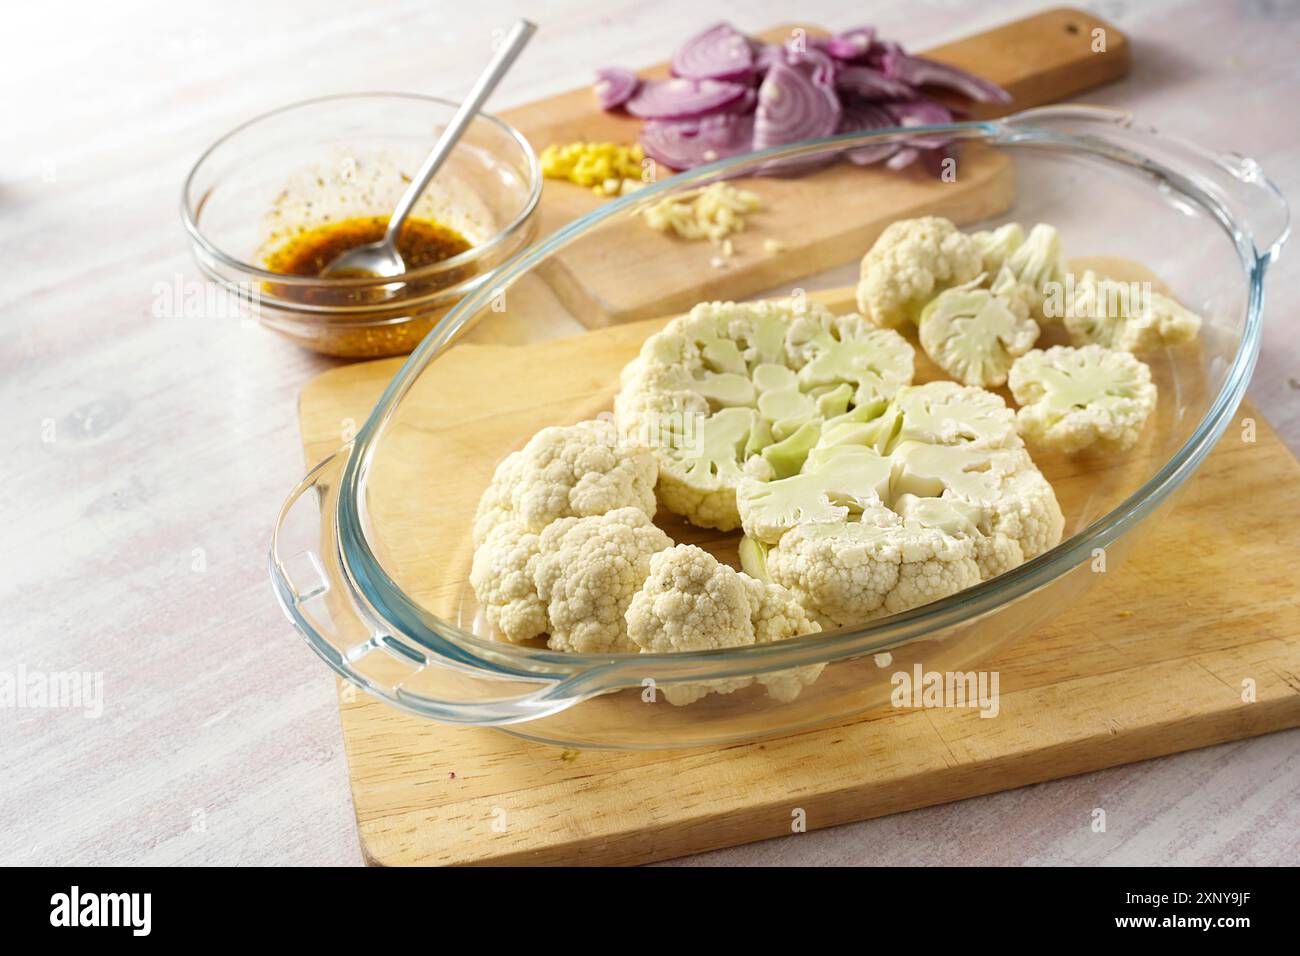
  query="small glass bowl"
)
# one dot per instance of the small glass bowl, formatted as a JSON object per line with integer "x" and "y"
{"x": 339, "y": 157}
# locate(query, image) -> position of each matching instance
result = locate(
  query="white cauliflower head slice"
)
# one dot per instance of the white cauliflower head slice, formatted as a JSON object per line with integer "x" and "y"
{"x": 568, "y": 471}
{"x": 975, "y": 334}
{"x": 502, "y": 578}
{"x": 692, "y": 602}
{"x": 880, "y": 564}
{"x": 699, "y": 472}
{"x": 733, "y": 391}
{"x": 942, "y": 413}
{"x": 911, "y": 262}
{"x": 994, "y": 553}
{"x": 1011, "y": 494}
{"x": 586, "y": 572}
{"x": 1129, "y": 317}
{"x": 840, "y": 483}
{"x": 1077, "y": 398}
{"x": 829, "y": 350}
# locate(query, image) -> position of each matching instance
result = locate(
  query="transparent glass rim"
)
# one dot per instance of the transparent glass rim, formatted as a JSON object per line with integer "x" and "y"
{"x": 190, "y": 211}
{"x": 582, "y": 673}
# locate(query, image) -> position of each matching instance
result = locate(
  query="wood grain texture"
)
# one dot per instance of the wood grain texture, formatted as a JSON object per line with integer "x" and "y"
{"x": 219, "y": 742}
{"x": 1119, "y": 677}
{"x": 821, "y": 219}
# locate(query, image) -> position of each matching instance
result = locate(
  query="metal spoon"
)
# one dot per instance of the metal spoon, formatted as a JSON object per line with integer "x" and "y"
{"x": 382, "y": 258}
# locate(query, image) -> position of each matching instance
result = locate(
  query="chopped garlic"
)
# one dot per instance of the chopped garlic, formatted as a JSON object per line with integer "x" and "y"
{"x": 773, "y": 247}
{"x": 713, "y": 212}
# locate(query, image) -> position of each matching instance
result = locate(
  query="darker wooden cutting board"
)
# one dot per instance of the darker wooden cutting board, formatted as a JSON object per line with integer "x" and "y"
{"x": 822, "y": 220}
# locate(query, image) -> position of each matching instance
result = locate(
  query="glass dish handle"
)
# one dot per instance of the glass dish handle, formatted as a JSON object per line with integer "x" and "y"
{"x": 1255, "y": 207}
{"x": 318, "y": 597}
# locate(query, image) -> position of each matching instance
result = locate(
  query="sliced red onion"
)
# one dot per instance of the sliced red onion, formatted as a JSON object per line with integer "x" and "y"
{"x": 861, "y": 118}
{"x": 822, "y": 67}
{"x": 685, "y": 144}
{"x": 870, "y": 84}
{"x": 870, "y": 155}
{"x": 765, "y": 54}
{"x": 682, "y": 98}
{"x": 615, "y": 86}
{"x": 719, "y": 53}
{"x": 851, "y": 44}
{"x": 792, "y": 107}
{"x": 880, "y": 51}
{"x": 918, "y": 71}
{"x": 903, "y": 158}
{"x": 744, "y": 104}
{"x": 851, "y": 81}
{"x": 918, "y": 112}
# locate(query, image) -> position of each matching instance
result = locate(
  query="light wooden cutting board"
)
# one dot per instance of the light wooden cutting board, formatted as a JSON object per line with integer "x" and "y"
{"x": 1152, "y": 663}
{"x": 821, "y": 220}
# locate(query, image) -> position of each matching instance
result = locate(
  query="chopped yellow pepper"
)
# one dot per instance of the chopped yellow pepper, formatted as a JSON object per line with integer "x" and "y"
{"x": 607, "y": 168}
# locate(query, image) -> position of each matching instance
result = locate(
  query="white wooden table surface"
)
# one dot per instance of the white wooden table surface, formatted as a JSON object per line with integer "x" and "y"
{"x": 143, "y": 459}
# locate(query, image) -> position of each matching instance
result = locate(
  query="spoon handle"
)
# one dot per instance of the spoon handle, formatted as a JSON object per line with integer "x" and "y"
{"x": 510, "y": 48}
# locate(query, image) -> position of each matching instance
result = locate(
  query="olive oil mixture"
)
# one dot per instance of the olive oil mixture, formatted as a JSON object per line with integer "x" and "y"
{"x": 422, "y": 243}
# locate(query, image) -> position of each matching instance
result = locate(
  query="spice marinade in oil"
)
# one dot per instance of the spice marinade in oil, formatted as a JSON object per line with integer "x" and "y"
{"x": 422, "y": 242}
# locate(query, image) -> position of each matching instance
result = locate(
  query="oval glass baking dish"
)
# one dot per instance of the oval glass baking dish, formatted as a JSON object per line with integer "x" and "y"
{"x": 372, "y": 552}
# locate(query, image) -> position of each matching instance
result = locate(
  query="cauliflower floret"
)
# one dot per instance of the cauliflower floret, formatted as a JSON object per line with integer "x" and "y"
{"x": 851, "y": 572}
{"x": 568, "y": 471}
{"x": 1121, "y": 316}
{"x": 586, "y": 573}
{"x": 911, "y": 262}
{"x": 494, "y": 506}
{"x": 1038, "y": 267}
{"x": 975, "y": 334}
{"x": 777, "y": 616}
{"x": 692, "y": 602}
{"x": 502, "y": 578}
{"x": 1072, "y": 399}
{"x": 996, "y": 245}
